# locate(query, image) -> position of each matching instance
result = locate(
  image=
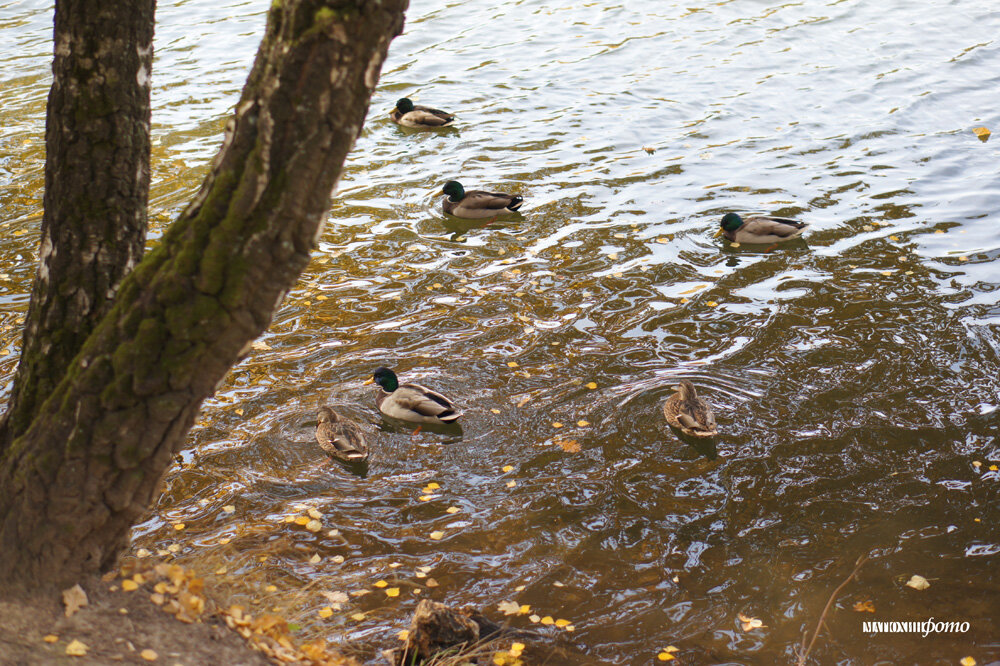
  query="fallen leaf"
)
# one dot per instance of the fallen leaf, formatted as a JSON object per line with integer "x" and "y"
{"x": 967, "y": 661}
{"x": 338, "y": 559}
{"x": 315, "y": 559}
{"x": 452, "y": 509}
{"x": 548, "y": 620}
{"x": 562, "y": 623}
{"x": 556, "y": 424}
{"x": 665, "y": 656}
{"x": 509, "y": 607}
{"x": 229, "y": 508}
{"x": 437, "y": 535}
{"x": 865, "y": 606}
{"x": 381, "y": 583}
{"x": 74, "y": 598}
{"x": 129, "y": 585}
{"x": 392, "y": 592}
{"x": 358, "y": 617}
{"x": 535, "y": 619}
{"x": 149, "y": 655}
{"x": 582, "y": 424}
{"x": 918, "y": 582}
{"x": 142, "y": 552}
{"x": 507, "y": 468}
{"x": 524, "y": 609}
{"x": 512, "y": 484}
{"x": 749, "y": 623}
{"x": 76, "y": 648}
{"x": 431, "y": 583}
{"x": 314, "y": 526}
{"x": 51, "y": 638}
{"x": 431, "y": 486}
{"x": 495, "y": 411}
{"x": 569, "y": 445}
{"x": 982, "y": 133}
{"x": 404, "y": 635}
{"x": 512, "y": 364}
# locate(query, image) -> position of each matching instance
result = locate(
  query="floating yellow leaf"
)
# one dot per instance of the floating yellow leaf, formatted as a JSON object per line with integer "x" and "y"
{"x": 495, "y": 411}
{"x": 339, "y": 559}
{"x": 431, "y": 486}
{"x": 404, "y": 635}
{"x": 749, "y": 623}
{"x": 431, "y": 583}
{"x": 712, "y": 304}
{"x": 967, "y": 661}
{"x": 315, "y": 559}
{"x": 918, "y": 582}
{"x": 994, "y": 468}
{"x": 229, "y": 508}
{"x": 315, "y": 513}
{"x": 271, "y": 588}
{"x": 963, "y": 258}
{"x": 524, "y": 609}
{"x": 685, "y": 300}
{"x": 583, "y": 424}
{"x": 507, "y": 468}
{"x": 665, "y": 656}
{"x": 535, "y": 619}
{"x": 325, "y": 612}
{"x": 76, "y": 648}
{"x": 556, "y": 424}
{"x": 562, "y": 623}
{"x": 734, "y": 244}
{"x": 302, "y": 520}
{"x": 452, "y": 509}
{"x": 142, "y": 552}
{"x": 512, "y": 364}
{"x": 865, "y": 606}
{"x": 314, "y": 526}
{"x": 51, "y": 638}
{"x": 437, "y": 535}
{"x": 358, "y": 617}
{"x": 509, "y": 607}
{"x": 976, "y": 463}
{"x": 982, "y": 133}
{"x": 511, "y": 484}
{"x": 569, "y": 445}
{"x": 591, "y": 385}
{"x": 392, "y": 592}
{"x": 178, "y": 526}
{"x": 548, "y": 620}
{"x": 381, "y": 583}
{"x": 427, "y": 498}
{"x": 129, "y": 585}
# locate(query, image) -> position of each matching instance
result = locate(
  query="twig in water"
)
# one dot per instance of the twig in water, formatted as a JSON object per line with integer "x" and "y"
{"x": 804, "y": 650}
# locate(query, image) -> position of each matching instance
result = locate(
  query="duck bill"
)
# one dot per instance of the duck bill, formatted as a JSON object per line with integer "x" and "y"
{"x": 717, "y": 233}
{"x": 370, "y": 380}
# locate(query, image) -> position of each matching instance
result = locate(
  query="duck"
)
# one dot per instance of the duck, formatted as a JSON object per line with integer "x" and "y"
{"x": 340, "y": 437}
{"x": 690, "y": 414}
{"x": 476, "y": 204}
{"x": 411, "y": 402}
{"x": 410, "y": 115}
{"x": 759, "y": 229}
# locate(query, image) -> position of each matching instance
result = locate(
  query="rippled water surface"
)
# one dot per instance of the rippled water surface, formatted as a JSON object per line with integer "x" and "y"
{"x": 854, "y": 374}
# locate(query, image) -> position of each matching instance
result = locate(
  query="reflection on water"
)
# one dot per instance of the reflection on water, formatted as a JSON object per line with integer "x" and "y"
{"x": 853, "y": 374}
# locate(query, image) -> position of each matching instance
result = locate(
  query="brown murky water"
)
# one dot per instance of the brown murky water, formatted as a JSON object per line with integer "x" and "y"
{"x": 854, "y": 374}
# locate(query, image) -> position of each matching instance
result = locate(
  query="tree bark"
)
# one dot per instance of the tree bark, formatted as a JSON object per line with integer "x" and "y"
{"x": 84, "y": 471}
{"x": 96, "y": 188}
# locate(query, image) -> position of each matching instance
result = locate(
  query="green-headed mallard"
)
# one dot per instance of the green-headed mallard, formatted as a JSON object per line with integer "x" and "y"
{"x": 411, "y": 402}
{"x": 689, "y": 413}
{"x": 408, "y": 115}
{"x": 476, "y": 204}
{"x": 759, "y": 229}
{"x": 340, "y": 437}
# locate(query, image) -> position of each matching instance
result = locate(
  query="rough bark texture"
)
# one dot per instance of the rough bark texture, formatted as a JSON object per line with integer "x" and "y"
{"x": 96, "y": 188}
{"x": 87, "y": 467}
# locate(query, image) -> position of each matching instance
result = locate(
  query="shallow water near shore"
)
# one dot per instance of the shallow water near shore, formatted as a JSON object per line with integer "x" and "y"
{"x": 854, "y": 373}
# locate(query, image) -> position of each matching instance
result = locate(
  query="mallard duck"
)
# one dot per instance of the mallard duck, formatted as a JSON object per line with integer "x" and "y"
{"x": 689, "y": 413}
{"x": 408, "y": 115}
{"x": 411, "y": 402}
{"x": 340, "y": 437}
{"x": 476, "y": 204}
{"x": 759, "y": 229}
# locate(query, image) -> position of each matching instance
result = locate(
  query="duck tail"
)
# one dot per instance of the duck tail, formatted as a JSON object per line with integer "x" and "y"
{"x": 515, "y": 203}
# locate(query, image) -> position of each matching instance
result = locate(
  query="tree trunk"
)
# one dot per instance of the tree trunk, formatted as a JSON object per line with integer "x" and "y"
{"x": 96, "y": 188}
{"x": 86, "y": 469}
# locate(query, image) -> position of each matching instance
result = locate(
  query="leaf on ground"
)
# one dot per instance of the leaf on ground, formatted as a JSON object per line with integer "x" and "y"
{"x": 74, "y": 598}
{"x": 569, "y": 445}
{"x": 749, "y": 623}
{"x": 918, "y": 582}
{"x": 51, "y": 638}
{"x": 865, "y": 606}
{"x": 76, "y": 648}
{"x": 509, "y": 607}
{"x": 129, "y": 585}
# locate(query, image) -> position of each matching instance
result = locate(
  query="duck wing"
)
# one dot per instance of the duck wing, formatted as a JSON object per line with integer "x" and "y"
{"x": 766, "y": 225}
{"x": 491, "y": 200}
{"x": 425, "y": 402}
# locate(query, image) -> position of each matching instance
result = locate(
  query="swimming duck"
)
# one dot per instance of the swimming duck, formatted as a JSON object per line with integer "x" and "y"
{"x": 759, "y": 229}
{"x": 476, "y": 204}
{"x": 340, "y": 437}
{"x": 689, "y": 413}
{"x": 411, "y": 402}
{"x": 408, "y": 115}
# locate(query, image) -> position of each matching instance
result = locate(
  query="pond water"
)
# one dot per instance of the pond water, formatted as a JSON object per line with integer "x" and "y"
{"x": 854, "y": 374}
